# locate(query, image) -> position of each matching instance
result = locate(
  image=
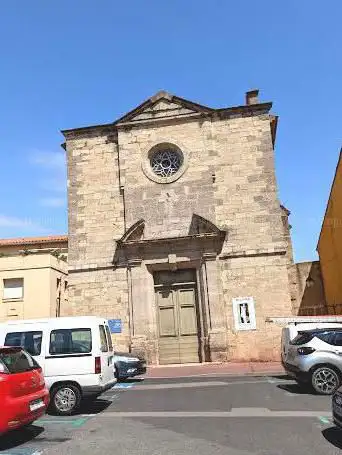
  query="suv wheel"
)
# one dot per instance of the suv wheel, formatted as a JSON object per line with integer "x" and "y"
{"x": 325, "y": 380}
{"x": 65, "y": 399}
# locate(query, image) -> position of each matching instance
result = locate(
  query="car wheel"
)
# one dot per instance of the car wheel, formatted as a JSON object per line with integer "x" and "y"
{"x": 65, "y": 399}
{"x": 325, "y": 380}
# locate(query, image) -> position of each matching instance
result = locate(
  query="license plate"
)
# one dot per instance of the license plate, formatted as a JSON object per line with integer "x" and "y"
{"x": 36, "y": 404}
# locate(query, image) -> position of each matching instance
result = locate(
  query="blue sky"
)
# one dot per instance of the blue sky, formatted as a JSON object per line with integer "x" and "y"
{"x": 71, "y": 63}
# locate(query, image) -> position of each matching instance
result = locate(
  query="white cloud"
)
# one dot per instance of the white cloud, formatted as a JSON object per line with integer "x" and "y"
{"x": 25, "y": 224}
{"x": 57, "y": 184}
{"x": 53, "y": 202}
{"x": 54, "y": 178}
{"x": 51, "y": 160}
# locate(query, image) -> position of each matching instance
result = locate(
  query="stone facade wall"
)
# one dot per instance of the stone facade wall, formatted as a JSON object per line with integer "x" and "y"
{"x": 310, "y": 299}
{"x": 265, "y": 278}
{"x": 96, "y": 222}
{"x": 229, "y": 181}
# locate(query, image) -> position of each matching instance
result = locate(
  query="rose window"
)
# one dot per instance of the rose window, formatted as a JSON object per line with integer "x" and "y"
{"x": 166, "y": 162}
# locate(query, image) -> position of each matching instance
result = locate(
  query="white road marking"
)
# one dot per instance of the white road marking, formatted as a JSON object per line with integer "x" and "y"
{"x": 181, "y": 385}
{"x": 235, "y": 413}
{"x": 219, "y": 374}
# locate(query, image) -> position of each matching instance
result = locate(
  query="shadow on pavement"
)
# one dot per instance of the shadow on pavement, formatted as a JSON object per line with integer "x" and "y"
{"x": 93, "y": 406}
{"x": 87, "y": 407}
{"x": 130, "y": 380}
{"x": 282, "y": 376}
{"x": 334, "y": 436}
{"x": 296, "y": 388}
{"x": 17, "y": 437}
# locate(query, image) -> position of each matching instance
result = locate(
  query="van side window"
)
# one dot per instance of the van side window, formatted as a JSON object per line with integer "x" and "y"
{"x": 109, "y": 336}
{"x": 103, "y": 338}
{"x": 70, "y": 341}
{"x": 30, "y": 341}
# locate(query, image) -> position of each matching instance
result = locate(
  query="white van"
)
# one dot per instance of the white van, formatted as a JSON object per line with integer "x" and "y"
{"x": 76, "y": 355}
{"x": 291, "y": 331}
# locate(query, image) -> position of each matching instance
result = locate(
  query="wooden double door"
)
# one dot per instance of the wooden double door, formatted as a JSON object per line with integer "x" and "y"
{"x": 178, "y": 324}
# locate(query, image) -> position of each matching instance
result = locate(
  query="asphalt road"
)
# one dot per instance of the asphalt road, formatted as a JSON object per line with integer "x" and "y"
{"x": 202, "y": 416}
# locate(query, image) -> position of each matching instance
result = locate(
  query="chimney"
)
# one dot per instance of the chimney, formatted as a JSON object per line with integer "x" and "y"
{"x": 252, "y": 97}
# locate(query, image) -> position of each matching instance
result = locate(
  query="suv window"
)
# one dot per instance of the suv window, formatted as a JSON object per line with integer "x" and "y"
{"x": 103, "y": 338}
{"x": 30, "y": 341}
{"x": 336, "y": 338}
{"x": 17, "y": 361}
{"x": 70, "y": 341}
{"x": 109, "y": 336}
{"x": 302, "y": 338}
{"x": 325, "y": 336}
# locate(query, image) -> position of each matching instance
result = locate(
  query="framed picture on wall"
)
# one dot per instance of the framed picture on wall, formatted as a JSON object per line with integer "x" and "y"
{"x": 244, "y": 313}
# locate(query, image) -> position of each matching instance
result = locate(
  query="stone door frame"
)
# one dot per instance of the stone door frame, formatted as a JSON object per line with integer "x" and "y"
{"x": 211, "y": 312}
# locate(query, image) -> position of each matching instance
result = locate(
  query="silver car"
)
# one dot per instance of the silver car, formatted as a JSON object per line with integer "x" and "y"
{"x": 315, "y": 357}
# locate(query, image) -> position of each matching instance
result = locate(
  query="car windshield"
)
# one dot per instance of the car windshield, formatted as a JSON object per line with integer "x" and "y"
{"x": 17, "y": 361}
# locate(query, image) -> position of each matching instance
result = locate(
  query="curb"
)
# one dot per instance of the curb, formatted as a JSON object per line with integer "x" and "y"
{"x": 222, "y": 373}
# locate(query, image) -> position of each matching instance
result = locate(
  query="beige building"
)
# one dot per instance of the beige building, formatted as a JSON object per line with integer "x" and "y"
{"x": 176, "y": 230}
{"x": 33, "y": 277}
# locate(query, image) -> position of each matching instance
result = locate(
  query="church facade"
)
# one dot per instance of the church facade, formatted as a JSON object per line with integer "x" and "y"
{"x": 176, "y": 230}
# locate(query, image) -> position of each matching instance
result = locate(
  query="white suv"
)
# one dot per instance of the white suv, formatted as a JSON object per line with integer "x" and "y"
{"x": 315, "y": 357}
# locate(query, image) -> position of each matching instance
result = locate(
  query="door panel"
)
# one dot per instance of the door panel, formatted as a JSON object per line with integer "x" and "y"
{"x": 178, "y": 327}
{"x": 167, "y": 322}
{"x": 187, "y": 319}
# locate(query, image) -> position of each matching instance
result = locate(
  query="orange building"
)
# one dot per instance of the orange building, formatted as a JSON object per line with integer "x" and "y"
{"x": 330, "y": 245}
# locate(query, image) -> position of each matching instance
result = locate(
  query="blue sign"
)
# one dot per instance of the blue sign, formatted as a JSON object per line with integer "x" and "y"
{"x": 115, "y": 325}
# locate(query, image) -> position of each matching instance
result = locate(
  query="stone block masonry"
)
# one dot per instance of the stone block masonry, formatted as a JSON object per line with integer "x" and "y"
{"x": 216, "y": 215}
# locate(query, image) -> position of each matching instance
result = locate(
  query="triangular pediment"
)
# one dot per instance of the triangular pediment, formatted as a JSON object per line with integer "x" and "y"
{"x": 163, "y": 106}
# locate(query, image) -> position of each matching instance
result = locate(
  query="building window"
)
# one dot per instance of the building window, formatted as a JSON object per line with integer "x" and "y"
{"x": 166, "y": 163}
{"x": 244, "y": 313}
{"x": 13, "y": 289}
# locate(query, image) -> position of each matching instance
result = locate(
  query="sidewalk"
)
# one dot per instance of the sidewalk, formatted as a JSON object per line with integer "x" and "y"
{"x": 207, "y": 369}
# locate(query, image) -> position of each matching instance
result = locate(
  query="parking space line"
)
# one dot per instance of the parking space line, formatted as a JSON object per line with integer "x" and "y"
{"x": 22, "y": 451}
{"x": 324, "y": 420}
{"x": 76, "y": 422}
{"x": 234, "y": 413}
{"x": 121, "y": 385}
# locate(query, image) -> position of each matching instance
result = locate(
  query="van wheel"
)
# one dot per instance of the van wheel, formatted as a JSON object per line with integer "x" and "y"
{"x": 325, "y": 380}
{"x": 65, "y": 399}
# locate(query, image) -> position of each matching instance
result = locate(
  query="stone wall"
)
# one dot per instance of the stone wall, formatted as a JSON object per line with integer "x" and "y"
{"x": 265, "y": 279}
{"x": 229, "y": 180}
{"x": 96, "y": 222}
{"x": 310, "y": 299}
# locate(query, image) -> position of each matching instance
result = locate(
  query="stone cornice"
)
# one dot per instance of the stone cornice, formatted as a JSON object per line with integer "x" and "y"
{"x": 210, "y": 113}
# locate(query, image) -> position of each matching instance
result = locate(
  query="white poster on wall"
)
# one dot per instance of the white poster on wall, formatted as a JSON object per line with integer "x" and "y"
{"x": 244, "y": 313}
